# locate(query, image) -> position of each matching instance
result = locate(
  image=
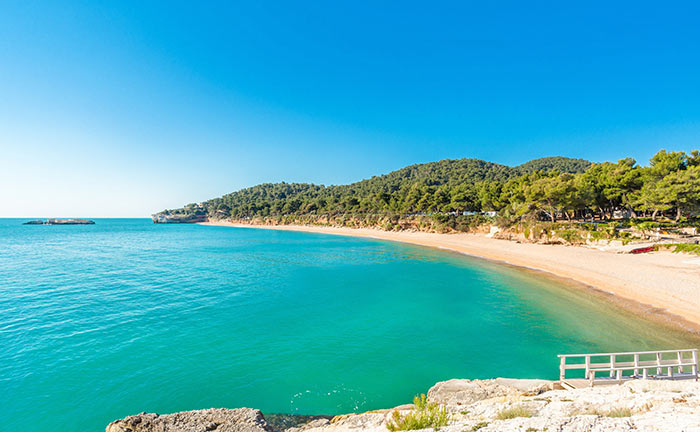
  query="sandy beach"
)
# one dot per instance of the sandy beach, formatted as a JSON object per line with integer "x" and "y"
{"x": 662, "y": 285}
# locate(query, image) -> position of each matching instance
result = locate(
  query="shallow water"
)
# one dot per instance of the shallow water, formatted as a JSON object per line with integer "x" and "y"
{"x": 102, "y": 321}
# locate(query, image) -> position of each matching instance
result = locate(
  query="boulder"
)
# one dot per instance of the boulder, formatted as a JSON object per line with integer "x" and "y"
{"x": 457, "y": 392}
{"x": 373, "y": 421}
{"x": 217, "y": 420}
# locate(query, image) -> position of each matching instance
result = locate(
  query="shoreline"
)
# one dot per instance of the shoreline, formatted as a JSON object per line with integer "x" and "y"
{"x": 663, "y": 286}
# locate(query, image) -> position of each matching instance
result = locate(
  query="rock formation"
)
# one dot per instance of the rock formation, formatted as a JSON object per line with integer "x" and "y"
{"x": 164, "y": 218}
{"x": 219, "y": 420}
{"x": 457, "y": 392}
{"x": 60, "y": 222}
{"x": 34, "y": 222}
{"x": 497, "y": 405}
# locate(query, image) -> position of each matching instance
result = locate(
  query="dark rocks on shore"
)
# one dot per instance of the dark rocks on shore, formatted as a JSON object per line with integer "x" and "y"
{"x": 215, "y": 419}
{"x": 219, "y": 420}
{"x": 282, "y": 422}
{"x": 60, "y": 222}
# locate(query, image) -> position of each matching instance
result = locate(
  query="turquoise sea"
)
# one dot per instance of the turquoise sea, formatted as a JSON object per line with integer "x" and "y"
{"x": 103, "y": 321}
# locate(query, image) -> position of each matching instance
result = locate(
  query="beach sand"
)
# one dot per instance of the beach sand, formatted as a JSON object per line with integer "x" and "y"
{"x": 661, "y": 285}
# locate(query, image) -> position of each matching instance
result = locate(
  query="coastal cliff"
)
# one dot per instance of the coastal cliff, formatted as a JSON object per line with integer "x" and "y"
{"x": 162, "y": 218}
{"x": 497, "y": 405}
{"x": 192, "y": 213}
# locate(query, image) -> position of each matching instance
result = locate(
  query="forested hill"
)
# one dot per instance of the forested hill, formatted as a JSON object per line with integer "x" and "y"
{"x": 554, "y": 163}
{"x": 444, "y": 186}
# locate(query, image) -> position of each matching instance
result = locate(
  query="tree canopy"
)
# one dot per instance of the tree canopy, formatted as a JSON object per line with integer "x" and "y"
{"x": 547, "y": 188}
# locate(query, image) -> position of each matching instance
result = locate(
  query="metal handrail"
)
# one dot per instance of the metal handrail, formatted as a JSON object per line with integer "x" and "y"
{"x": 627, "y": 353}
{"x": 616, "y": 368}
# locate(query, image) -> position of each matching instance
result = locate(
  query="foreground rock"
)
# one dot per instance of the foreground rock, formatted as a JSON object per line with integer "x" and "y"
{"x": 509, "y": 405}
{"x": 457, "y": 392}
{"x": 503, "y": 405}
{"x": 219, "y": 420}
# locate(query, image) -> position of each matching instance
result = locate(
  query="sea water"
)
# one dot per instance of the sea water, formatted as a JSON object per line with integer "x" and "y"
{"x": 102, "y": 321}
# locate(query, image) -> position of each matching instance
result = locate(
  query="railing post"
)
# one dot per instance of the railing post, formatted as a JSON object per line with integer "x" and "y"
{"x": 562, "y": 368}
{"x": 612, "y": 365}
{"x": 675, "y": 363}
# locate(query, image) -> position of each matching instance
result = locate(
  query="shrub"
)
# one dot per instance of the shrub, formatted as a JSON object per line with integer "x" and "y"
{"x": 618, "y": 412}
{"x": 480, "y": 425}
{"x": 513, "y": 412}
{"x": 615, "y": 412}
{"x": 690, "y": 248}
{"x": 467, "y": 223}
{"x": 598, "y": 235}
{"x": 537, "y": 231}
{"x": 571, "y": 236}
{"x": 611, "y": 229}
{"x": 425, "y": 415}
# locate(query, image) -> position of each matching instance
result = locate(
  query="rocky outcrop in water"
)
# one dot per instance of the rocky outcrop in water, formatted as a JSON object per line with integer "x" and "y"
{"x": 34, "y": 222}
{"x": 61, "y": 222}
{"x": 498, "y": 405}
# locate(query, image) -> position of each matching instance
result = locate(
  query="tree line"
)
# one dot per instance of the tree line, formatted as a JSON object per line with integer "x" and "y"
{"x": 548, "y": 188}
{"x": 670, "y": 183}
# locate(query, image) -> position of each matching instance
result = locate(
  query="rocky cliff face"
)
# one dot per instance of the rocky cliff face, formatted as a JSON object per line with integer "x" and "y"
{"x": 498, "y": 405}
{"x": 165, "y": 218}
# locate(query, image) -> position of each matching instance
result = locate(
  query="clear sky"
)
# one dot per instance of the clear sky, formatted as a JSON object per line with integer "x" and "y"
{"x": 125, "y": 108}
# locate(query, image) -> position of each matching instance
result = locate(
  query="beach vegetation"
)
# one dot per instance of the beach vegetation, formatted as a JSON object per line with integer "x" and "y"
{"x": 571, "y": 236}
{"x": 689, "y": 248}
{"x": 424, "y": 415}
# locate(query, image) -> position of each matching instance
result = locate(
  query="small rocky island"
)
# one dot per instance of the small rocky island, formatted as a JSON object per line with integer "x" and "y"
{"x": 60, "y": 222}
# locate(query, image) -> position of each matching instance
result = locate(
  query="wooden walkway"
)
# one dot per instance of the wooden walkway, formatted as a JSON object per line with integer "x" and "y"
{"x": 616, "y": 368}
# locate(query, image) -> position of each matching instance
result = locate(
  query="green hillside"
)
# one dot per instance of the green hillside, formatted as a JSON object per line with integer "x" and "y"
{"x": 444, "y": 186}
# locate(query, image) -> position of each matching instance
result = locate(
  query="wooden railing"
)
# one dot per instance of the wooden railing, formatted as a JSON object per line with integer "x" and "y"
{"x": 627, "y": 365}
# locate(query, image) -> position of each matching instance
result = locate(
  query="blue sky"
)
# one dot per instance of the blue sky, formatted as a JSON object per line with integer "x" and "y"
{"x": 126, "y": 108}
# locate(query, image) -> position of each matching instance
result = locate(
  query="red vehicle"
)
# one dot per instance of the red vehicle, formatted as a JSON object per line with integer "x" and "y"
{"x": 642, "y": 250}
